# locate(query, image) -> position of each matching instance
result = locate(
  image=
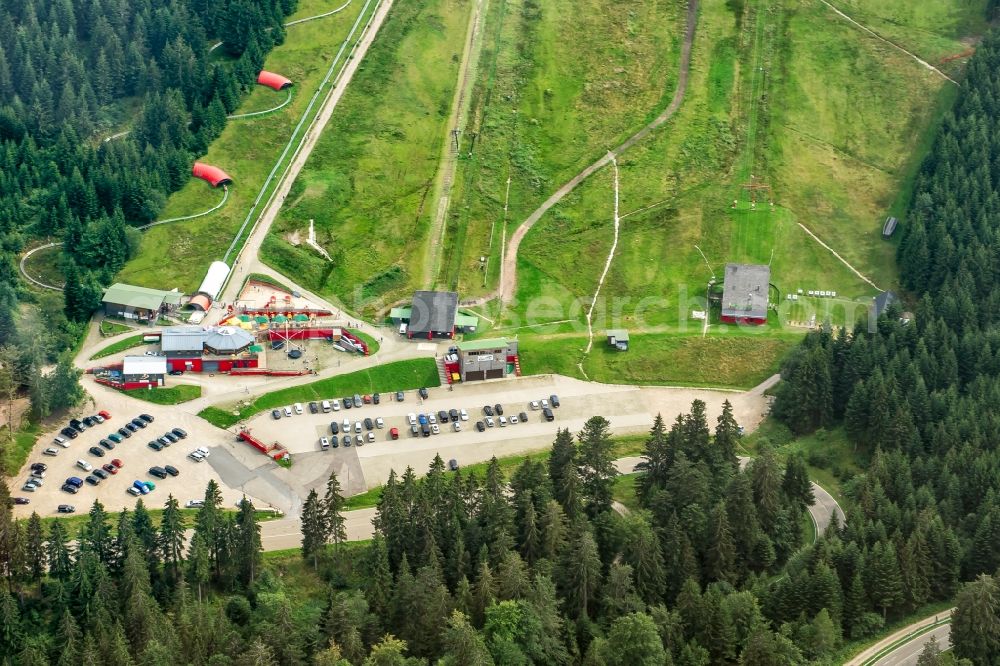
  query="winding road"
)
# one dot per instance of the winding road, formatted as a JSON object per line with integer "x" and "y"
{"x": 903, "y": 648}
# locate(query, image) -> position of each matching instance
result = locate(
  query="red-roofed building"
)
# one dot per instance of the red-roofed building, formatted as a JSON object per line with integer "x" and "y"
{"x": 212, "y": 174}
{"x": 272, "y": 80}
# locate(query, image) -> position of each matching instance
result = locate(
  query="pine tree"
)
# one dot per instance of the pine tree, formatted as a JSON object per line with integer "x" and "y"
{"x": 561, "y": 458}
{"x": 581, "y": 573}
{"x": 35, "y": 547}
{"x": 795, "y": 483}
{"x": 975, "y": 622}
{"x": 463, "y": 645}
{"x": 198, "y": 562}
{"x": 727, "y": 436}
{"x": 596, "y": 465}
{"x": 883, "y": 578}
{"x": 656, "y": 460}
{"x": 333, "y": 519}
{"x": 248, "y": 542}
{"x": 57, "y": 551}
{"x": 766, "y": 482}
{"x": 720, "y": 558}
{"x": 313, "y": 525}
{"x": 172, "y": 526}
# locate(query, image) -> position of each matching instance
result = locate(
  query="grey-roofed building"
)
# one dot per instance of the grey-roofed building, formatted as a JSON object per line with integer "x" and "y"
{"x": 618, "y": 338}
{"x": 745, "y": 294}
{"x": 433, "y": 314}
{"x": 140, "y": 303}
{"x": 889, "y": 227}
{"x": 882, "y": 302}
{"x": 227, "y": 340}
{"x": 183, "y": 341}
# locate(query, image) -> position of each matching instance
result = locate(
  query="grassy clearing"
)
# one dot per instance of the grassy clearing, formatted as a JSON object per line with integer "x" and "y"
{"x": 110, "y": 328}
{"x": 169, "y": 395}
{"x": 628, "y": 445}
{"x": 120, "y": 346}
{"x": 13, "y": 454}
{"x": 44, "y": 266}
{"x": 830, "y": 457}
{"x": 369, "y": 178}
{"x": 373, "y": 344}
{"x": 624, "y": 491}
{"x": 725, "y": 361}
{"x": 177, "y": 255}
{"x": 398, "y": 376}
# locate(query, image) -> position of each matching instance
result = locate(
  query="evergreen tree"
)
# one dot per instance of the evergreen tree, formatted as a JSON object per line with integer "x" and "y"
{"x": 333, "y": 519}
{"x": 248, "y": 542}
{"x": 313, "y": 525}
{"x": 596, "y": 465}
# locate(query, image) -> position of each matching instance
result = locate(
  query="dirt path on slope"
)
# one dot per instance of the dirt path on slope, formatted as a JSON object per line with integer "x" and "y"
{"x": 508, "y": 268}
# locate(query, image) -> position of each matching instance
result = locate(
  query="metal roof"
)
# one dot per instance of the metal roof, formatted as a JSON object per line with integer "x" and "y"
{"x": 480, "y": 345}
{"x": 144, "y": 365}
{"x": 183, "y": 338}
{"x": 139, "y": 297}
{"x": 433, "y": 311}
{"x": 214, "y": 279}
{"x": 228, "y": 339}
{"x": 400, "y": 313}
{"x": 618, "y": 334}
{"x": 883, "y": 301}
{"x": 745, "y": 291}
{"x": 466, "y": 320}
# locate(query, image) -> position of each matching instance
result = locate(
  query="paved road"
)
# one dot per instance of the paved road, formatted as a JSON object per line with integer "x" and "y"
{"x": 908, "y": 653}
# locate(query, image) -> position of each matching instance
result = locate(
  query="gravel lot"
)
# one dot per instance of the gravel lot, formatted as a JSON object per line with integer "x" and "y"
{"x": 240, "y": 469}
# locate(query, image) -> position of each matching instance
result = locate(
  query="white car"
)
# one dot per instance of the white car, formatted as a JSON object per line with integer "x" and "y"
{"x": 84, "y": 465}
{"x": 335, "y": 404}
{"x": 514, "y": 420}
{"x": 371, "y": 436}
{"x": 195, "y": 504}
{"x": 534, "y": 404}
{"x": 411, "y": 418}
{"x": 464, "y": 415}
{"x": 379, "y": 423}
{"x": 287, "y": 411}
{"x": 545, "y": 403}
{"x": 324, "y": 443}
{"x": 456, "y": 426}
{"x": 357, "y": 426}
{"x": 61, "y": 441}
{"x": 325, "y": 406}
{"x": 432, "y": 418}
{"x": 489, "y": 422}
{"x": 435, "y": 429}
{"x": 151, "y": 353}
{"x": 503, "y": 421}
{"x": 196, "y": 456}
{"x": 203, "y": 451}
{"x": 358, "y": 440}
{"x": 346, "y": 425}
{"x": 298, "y": 408}
{"x": 98, "y": 418}
{"x": 50, "y": 452}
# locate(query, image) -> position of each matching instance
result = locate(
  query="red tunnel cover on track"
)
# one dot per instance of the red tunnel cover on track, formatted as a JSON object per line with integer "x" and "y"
{"x": 272, "y": 80}
{"x": 212, "y": 174}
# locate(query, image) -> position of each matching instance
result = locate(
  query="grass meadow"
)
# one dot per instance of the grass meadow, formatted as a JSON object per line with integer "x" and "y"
{"x": 178, "y": 254}
{"x": 367, "y": 184}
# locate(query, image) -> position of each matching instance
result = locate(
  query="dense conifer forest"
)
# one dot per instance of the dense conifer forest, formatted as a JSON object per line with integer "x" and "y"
{"x": 72, "y": 74}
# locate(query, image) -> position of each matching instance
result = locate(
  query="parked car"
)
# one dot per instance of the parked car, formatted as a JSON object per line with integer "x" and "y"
{"x": 371, "y": 437}
{"x": 487, "y": 410}
{"x": 156, "y": 446}
{"x": 358, "y": 440}
{"x": 40, "y": 466}
{"x": 203, "y": 451}
{"x": 414, "y": 429}
{"x": 124, "y": 432}
{"x": 69, "y": 432}
{"x": 348, "y": 402}
{"x": 29, "y": 487}
{"x": 158, "y": 472}
{"x": 376, "y": 398}
{"x": 67, "y": 488}
{"x": 66, "y": 508}
{"x": 297, "y": 407}
{"x": 275, "y": 414}
{"x": 92, "y": 480}
{"x": 115, "y": 437}
{"x": 194, "y": 504}
{"x": 107, "y": 444}
{"x": 21, "y": 500}
{"x": 324, "y": 443}
{"x": 50, "y": 452}
{"x": 513, "y": 419}
{"x": 369, "y": 424}
{"x": 456, "y": 426}
{"x": 425, "y": 430}
{"x": 196, "y": 456}
{"x": 453, "y": 414}
{"x": 464, "y": 415}
{"x": 84, "y": 465}
{"x": 314, "y": 407}
{"x": 325, "y": 406}
{"x": 170, "y": 437}
{"x": 133, "y": 491}
{"x": 489, "y": 422}
{"x": 171, "y": 470}
{"x": 442, "y": 417}
{"x": 534, "y": 405}
{"x": 548, "y": 415}
{"x": 109, "y": 468}
{"x": 334, "y": 427}
{"x": 335, "y": 404}
{"x": 61, "y": 441}
{"x": 453, "y": 465}
{"x": 435, "y": 429}
{"x": 545, "y": 403}
{"x": 498, "y": 409}
{"x": 117, "y": 463}
{"x": 139, "y": 423}
{"x": 357, "y": 426}
{"x": 147, "y": 418}
{"x": 399, "y": 396}
{"x": 175, "y": 372}
{"x": 423, "y": 393}
{"x": 131, "y": 427}
{"x": 101, "y": 474}
{"x": 74, "y": 481}
{"x": 177, "y": 432}
{"x": 89, "y": 421}
{"x": 503, "y": 421}
{"x": 379, "y": 422}
{"x": 423, "y": 419}
{"x": 98, "y": 418}
{"x": 287, "y": 410}
{"x": 394, "y": 433}
{"x": 554, "y": 400}
{"x": 523, "y": 416}
{"x": 411, "y": 418}
{"x": 96, "y": 451}
{"x": 480, "y": 426}
{"x": 366, "y": 399}
{"x": 357, "y": 400}
{"x": 347, "y": 440}
{"x": 107, "y": 415}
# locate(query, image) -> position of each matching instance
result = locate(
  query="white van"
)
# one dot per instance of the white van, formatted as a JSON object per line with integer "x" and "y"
{"x": 324, "y": 443}
{"x": 298, "y": 408}
{"x": 84, "y": 465}
{"x": 411, "y": 418}
{"x": 326, "y": 406}
{"x": 402, "y": 328}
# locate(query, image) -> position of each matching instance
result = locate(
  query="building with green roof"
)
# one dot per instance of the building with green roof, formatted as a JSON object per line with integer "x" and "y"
{"x": 140, "y": 303}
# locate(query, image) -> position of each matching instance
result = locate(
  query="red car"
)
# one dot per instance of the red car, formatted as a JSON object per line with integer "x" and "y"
{"x": 117, "y": 463}
{"x": 109, "y": 468}
{"x": 394, "y": 433}
{"x": 367, "y": 399}
{"x": 104, "y": 414}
